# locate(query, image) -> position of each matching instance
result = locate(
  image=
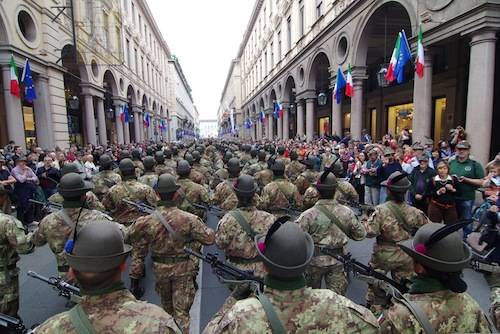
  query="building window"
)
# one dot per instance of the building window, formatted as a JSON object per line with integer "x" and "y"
{"x": 301, "y": 18}
{"x": 127, "y": 53}
{"x": 265, "y": 63}
{"x": 136, "y": 62}
{"x": 279, "y": 45}
{"x": 319, "y": 8}
{"x": 289, "y": 33}
{"x": 140, "y": 24}
{"x": 143, "y": 71}
{"x": 89, "y": 11}
{"x": 133, "y": 13}
{"x": 439, "y": 113}
{"x": 400, "y": 117}
{"x": 272, "y": 55}
{"x": 119, "y": 42}
{"x": 106, "y": 30}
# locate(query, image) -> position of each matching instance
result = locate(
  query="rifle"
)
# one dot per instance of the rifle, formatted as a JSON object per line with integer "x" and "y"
{"x": 142, "y": 207}
{"x": 208, "y": 207}
{"x": 357, "y": 207}
{"x": 48, "y": 206}
{"x": 13, "y": 325}
{"x": 291, "y": 211}
{"x": 65, "y": 289}
{"x": 226, "y": 272}
{"x": 364, "y": 272}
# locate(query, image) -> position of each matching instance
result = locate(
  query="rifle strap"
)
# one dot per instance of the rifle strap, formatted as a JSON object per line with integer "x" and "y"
{"x": 417, "y": 312}
{"x": 65, "y": 217}
{"x": 280, "y": 187}
{"x": 275, "y": 322}
{"x": 243, "y": 223}
{"x": 324, "y": 210}
{"x": 396, "y": 211}
{"x": 80, "y": 320}
{"x": 169, "y": 228}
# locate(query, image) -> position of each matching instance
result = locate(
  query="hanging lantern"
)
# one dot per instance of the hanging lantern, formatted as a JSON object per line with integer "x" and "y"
{"x": 382, "y": 81}
{"x": 322, "y": 98}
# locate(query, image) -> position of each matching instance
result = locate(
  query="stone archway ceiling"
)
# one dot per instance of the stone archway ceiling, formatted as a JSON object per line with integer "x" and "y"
{"x": 321, "y": 72}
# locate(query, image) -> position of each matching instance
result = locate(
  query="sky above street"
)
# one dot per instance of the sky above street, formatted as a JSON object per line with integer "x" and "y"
{"x": 205, "y": 37}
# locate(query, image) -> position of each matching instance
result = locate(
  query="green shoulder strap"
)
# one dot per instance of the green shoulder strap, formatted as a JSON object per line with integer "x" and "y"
{"x": 243, "y": 223}
{"x": 416, "y": 310}
{"x": 80, "y": 321}
{"x": 167, "y": 226}
{"x": 333, "y": 219}
{"x": 65, "y": 217}
{"x": 396, "y": 211}
{"x": 280, "y": 187}
{"x": 275, "y": 322}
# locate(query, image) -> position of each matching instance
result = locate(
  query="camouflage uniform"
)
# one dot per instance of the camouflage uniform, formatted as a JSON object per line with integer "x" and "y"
{"x": 447, "y": 311}
{"x": 139, "y": 167}
{"x": 13, "y": 241}
{"x": 346, "y": 192}
{"x": 311, "y": 196}
{"x": 280, "y": 194}
{"x": 495, "y": 305}
{"x": 237, "y": 244}
{"x": 244, "y": 157}
{"x": 162, "y": 169}
{"x": 174, "y": 271}
{"x": 293, "y": 170}
{"x": 254, "y": 168}
{"x": 133, "y": 191}
{"x": 328, "y": 234}
{"x": 198, "y": 177}
{"x": 170, "y": 163}
{"x": 203, "y": 171}
{"x": 304, "y": 310}
{"x": 103, "y": 181}
{"x": 225, "y": 197}
{"x": 115, "y": 312}
{"x": 92, "y": 202}
{"x": 387, "y": 256}
{"x": 305, "y": 180}
{"x": 149, "y": 178}
{"x": 285, "y": 160}
{"x": 193, "y": 193}
{"x": 264, "y": 177}
{"x": 55, "y": 231}
{"x": 220, "y": 175}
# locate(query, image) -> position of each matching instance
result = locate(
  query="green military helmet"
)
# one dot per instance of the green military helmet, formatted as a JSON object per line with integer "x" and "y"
{"x": 72, "y": 167}
{"x": 166, "y": 184}
{"x": 254, "y": 152}
{"x": 228, "y": 155}
{"x": 189, "y": 158}
{"x": 293, "y": 155}
{"x": 167, "y": 153}
{"x": 439, "y": 247}
{"x": 262, "y": 155}
{"x": 278, "y": 167}
{"x": 200, "y": 148}
{"x": 183, "y": 168}
{"x": 159, "y": 157}
{"x": 125, "y": 154}
{"x": 327, "y": 182}
{"x": 281, "y": 150}
{"x": 98, "y": 247}
{"x": 105, "y": 161}
{"x": 397, "y": 182}
{"x": 175, "y": 151}
{"x": 72, "y": 186}
{"x": 127, "y": 167}
{"x": 136, "y": 154}
{"x": 149, "y": 162}
{"x": 233, "y": 166}
{"x": 286, "y": 249}
{"x": 149, "y": 151}
{"x": 196, "y": 156}
{"x": 245, "y": 186}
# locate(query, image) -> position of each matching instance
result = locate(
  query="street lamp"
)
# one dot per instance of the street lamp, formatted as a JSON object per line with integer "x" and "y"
{"x": 322, "y": 99}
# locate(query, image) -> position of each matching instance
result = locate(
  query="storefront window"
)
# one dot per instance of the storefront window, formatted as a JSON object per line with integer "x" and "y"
{"x": 347, "y": 123}
{"x": 324, "y": 126}
{"x": 439, "y": 111}
{"x": 400, "y": 117}
{"x": 29, "y": 125}
{"x": 373, "y": 123}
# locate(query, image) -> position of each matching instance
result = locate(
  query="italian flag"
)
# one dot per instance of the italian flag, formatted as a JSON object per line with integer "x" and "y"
{"x": 419, "y": 63}
{"x": 348, "y": 87}
{"x": 14, "y": 79}
{"x": 389, "y": 76}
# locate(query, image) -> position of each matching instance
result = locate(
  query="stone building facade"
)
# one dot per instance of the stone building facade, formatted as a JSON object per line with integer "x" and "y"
{"x": 230, "y": 104}
{"x": 292, "y": 49}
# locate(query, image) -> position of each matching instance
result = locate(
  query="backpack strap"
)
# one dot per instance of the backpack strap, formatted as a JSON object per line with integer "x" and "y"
{"x": 80, "y": 320}
{"x": 167, "y": 226}
{"x": 275, "y": 322}
{"x": 324, "y": 210}
{"x": 396, "y": 211}
{"x": 243, "y": 223}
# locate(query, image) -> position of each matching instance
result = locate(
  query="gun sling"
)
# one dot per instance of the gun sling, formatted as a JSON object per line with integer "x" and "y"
{"x": 275, "y": 322}
{"x": 324, "y": 210}
{"x": 396, "y": 211}
{"x": 80, "y": 321}
{"x": 243, "y": 223}
{"x": 169, "y": 228}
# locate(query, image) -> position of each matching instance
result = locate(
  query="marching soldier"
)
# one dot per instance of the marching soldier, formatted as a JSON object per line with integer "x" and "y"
{"x": 245, "y": 154}
{"x": 258, "y": 166}
{"x": 294, "y": 168}
{"x": 265, "y": 176}
{"x": 253, "y": 157}
{"x": 150, "y": 177}
{"x": 195, "y": 175}
{"x": 345, "y": 191}
{"x": 97, "y": 261}
{"x": 280, "y": 194}
{"x": 281, "y": 155}
{"x": 308, "y": 177}
{"x": 160, "y": 167}
{"x": 139, "y": 166}
{"x": 169, "y": 162}
{"x": 392, "y": 222}
{"x": 129, "y": 189}
{"x": 287, "y": 305}
{"x": 200, "y": 168}
{"x": 330, "y": 225}
{"x": 13, "y": 242}
{"x": 166, "y": 232}
{"x": 92, "y": 201}
{"x": 438, "y": 292}
{"x": 191, "y": 192}
{"x": 224, "y": 195}
{"x": 106, "y": 178}
{"x": 56, "y": 227}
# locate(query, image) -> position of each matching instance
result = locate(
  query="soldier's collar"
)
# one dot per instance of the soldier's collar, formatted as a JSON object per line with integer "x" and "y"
{"x": 284, "y": 285}
{"x": 103, "y": 291}
{"x": 422, "y": 284}
{"x": 166, "y": 203}
{"x": 72, "y": 204}
{"x": 278, "y": 177}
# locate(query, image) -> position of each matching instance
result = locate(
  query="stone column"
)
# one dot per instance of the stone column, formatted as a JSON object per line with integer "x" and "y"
{"x": 280, "y": 128}
{"x": 126, "y": 133}
{"x": 252, "y": 134}
{"x": 137, "y": 124}
{"x": 309, "y": 119}
{"x": 270, "y": 133}
{"x": 101, "y": 122}
{"x": 480, "y": 95}
{"x": 337, "y": 118}
{"x": 13, "y": 110}
{"x": 422, "y": 101}
{"x": 43, "y": 114}
{"x": 90, "y": 120}
{"x": 356, "y": 109}
{"x": 118, "y": 123}
{"x": 300, "y": 118}
{"x": 286, "y": 126}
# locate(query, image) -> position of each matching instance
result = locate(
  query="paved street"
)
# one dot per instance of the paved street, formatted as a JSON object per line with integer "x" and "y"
{"x": 39, "y": 301}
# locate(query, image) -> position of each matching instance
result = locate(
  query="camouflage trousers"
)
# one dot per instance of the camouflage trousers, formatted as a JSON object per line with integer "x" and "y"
{"x": 335, "y": 278}
{"x": 9, "y": 293}
{"x": 494, "y": 283}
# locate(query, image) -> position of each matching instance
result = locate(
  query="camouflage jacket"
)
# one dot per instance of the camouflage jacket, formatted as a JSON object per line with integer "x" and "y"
{"x": 306, "y": 179}
{"x": 115, "y": 312}
{"x": 193, "y": 193}
{"x": 150, "y": 179}
{"x": 280, "y": 194}
{"x": 236, "y": 243}
{"x": 285, "y": 160}
{"x": 311, "y": 196}
{"x": 204, "y": 171}
{"x": 447, "y": 311}
{"x": 244, "y": 157}
{"x": 139, "y": 167}
{"x": 133, "y": 191}
{"x": 224, "y": 195}
{"x": 164, "y": 169}
{"x": 263, "y": 178}
{"x": 220, "y": 175}
{"x": 345, "y": 192}
{"x": 326, "y": 232}
{"x": 171, "y": 163}
{"x": 301, "y": 311}
{"x": 13, "y": 241}
{"x": 198, "y": 177}
{"x": 55, "y": 231}
{"x": 104, "y": 180}
{"x": 148, "y": 233}
{"x": 293, "y": 170}
{"x": 254, "y": 168}
{"x": 92, "y": 202}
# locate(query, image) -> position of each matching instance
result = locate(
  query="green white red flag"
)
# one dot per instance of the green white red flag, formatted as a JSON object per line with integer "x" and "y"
{"x": 389, "y": 76}
{"x": 348, "y": 86}
{"x": 419, "y": 62}
{"x": 14, "y": 78}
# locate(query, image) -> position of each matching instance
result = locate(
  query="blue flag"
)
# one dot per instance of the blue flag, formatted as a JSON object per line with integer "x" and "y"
{"x": 339, "y": 86}
{"x": 403, "y": 58}
{"x": 27, "y": 81}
